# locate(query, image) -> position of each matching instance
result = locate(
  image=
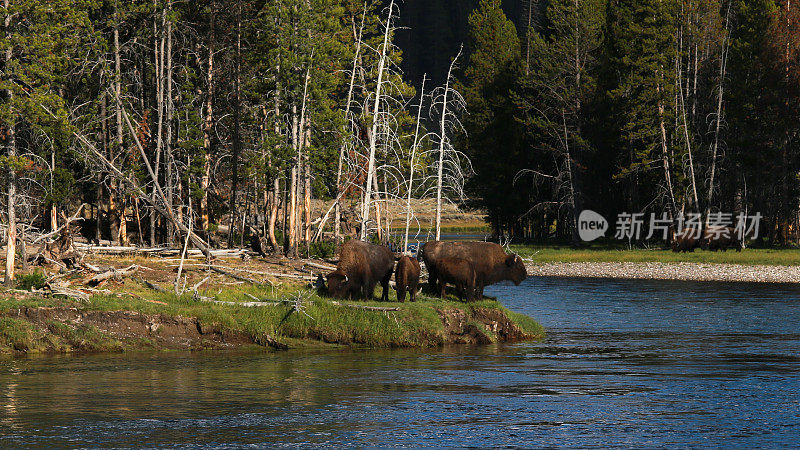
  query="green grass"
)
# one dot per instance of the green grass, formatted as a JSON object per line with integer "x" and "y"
{"x": 17, "y": 335}
{"x": 21, "y": 336}
{"x": 599, "y": 253}
{"x": 415, "y": 324}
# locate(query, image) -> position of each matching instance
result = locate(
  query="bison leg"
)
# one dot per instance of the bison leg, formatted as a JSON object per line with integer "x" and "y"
{"x": 432, "y": 279}
{"x": 479, "y": 291}
{"x": 385, "y": 284}
{"x": 461, "y": 289}
{"x": 369, "y": 291}
{"x": 442, "y": 287}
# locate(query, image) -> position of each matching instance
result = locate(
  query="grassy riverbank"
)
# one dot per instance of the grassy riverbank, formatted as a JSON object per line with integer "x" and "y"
{"x": 603, "y": 253}
{"x": 132, "y": 317}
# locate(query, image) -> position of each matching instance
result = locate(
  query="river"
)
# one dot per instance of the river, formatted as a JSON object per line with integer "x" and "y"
{"x": 626, "y": 363}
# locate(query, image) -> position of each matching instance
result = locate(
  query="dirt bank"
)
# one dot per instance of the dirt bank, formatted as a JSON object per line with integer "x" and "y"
{"x": 670, "y": 271}
{"x": 71, "y": 329}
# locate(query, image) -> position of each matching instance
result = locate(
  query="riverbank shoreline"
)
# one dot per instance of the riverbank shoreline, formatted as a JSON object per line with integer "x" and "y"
{"x": 83, "y": 329}
{"x": 232, "y": 304}
{"x": 680, "y": 271}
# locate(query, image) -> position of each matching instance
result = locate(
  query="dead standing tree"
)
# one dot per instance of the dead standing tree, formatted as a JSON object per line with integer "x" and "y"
{"x": 450, "y": 165}
{"x": 384, "y": 53}
{"x": 412, "y": 162}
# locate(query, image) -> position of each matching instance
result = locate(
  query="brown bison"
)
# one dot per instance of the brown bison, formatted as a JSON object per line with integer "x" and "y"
{"x": 361, "y": 267}
{"x": 459, "y": 272}
{"x": 490, "y": 262}
{"x": 720, "y": 238}
{"x": 406, "y": 278}
{"x": 685, "y": 241}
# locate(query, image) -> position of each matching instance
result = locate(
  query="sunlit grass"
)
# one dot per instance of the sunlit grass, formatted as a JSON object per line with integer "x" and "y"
{"x": 414, "y": 324}
{"x": 546, "y": 254}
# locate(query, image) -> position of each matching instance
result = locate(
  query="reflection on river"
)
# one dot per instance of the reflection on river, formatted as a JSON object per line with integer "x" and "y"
{"x": 627, "y": 363}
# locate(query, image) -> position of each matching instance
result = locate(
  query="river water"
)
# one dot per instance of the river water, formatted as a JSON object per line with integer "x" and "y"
{"x": 625, "y": 363}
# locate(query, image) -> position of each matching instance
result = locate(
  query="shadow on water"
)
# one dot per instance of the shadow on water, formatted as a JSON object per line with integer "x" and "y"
{"x": 625, "y": 363}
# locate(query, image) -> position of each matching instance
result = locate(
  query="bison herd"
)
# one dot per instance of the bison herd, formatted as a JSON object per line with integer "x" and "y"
{"x": 469, "y": 266}
{"x": 708, "y": 238}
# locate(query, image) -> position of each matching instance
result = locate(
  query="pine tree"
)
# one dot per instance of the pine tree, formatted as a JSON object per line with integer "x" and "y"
{"x": 37, "y": 42}
{"x": 642, "y": 54}
{"x": 492, "y": 138}
{"x": 556, "y": 94}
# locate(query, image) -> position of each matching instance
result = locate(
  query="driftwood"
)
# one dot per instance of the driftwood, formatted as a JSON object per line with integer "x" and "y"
{"x": 245, "y": 304}
{"x": 62, "y": 252}
{"x": 291, "y": 275}
{"x": 318, "y": 266}
{"x": 369, "y": 308}
{"x": 150, "y": 285}
{"x": 199, "y": 283}
{"x": 116, "y": 274}
{"x": 159, "y": 251}
{"x": 226, "y": 271}
{"x": 68, "y": 221}
{"x": 64, "y": 291}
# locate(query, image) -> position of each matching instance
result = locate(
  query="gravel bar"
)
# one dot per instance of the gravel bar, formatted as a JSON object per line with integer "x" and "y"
{"x": 669, "y": 271}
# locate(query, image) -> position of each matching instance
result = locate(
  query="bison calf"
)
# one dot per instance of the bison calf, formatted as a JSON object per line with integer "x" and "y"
{"x": 459, "y": 272}
{"x": 406, "y": 278}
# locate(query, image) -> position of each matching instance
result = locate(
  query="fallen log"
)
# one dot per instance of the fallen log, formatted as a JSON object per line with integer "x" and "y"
{"x": 158, "y": 251}
{"x": 150, "y": 285}
{"x": 318, "y": 266}
{"x": 369, "y": 308}
{"x": 226, "y": 271}
{"x": 67, "y": 292}
{"x": 245, "y": 304}
{"x": 113, "y": 273}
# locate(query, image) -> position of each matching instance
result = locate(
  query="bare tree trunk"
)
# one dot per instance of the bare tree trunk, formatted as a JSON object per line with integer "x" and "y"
{"x": 292, "y": 242}
{"x": 159, "y": 41}
{"x": 11, "y": 146}
{"x": 276, "y": 185}
{"x": 205, "y": 180}
{"x": 411, "y": 163}
{"x": 117, "y": 221}
{"x": 377, "y": 193}
{"x": 273, "y": 213}
{"x": 442, "y": 138}
{"x": 575, "y": 237}
{"x": 665, "y": 155}
{"x": 53, "y": 208}
{"x": 237, "y": 141}
{"x": 722, "y": 66}
{"x": 307, "y": 188}
{"x": 123, "y": 222}
{"x": 338, "y": 212}
{"x": 104, "y": 145}
{"x": 688, "y": 142}
{"x": 373, "y": 136}
{"x": 170, "y": 109}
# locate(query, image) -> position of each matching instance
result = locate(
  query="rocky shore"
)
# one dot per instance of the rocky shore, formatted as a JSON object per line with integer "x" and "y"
{"x": 669, "y": 271}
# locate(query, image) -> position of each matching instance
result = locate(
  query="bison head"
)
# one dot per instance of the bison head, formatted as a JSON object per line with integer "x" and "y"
{"x": 338, "y": 284}
{"x": 517, "y": 270}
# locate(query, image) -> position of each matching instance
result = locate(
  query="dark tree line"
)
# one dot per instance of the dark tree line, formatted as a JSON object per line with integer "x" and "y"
{"x": 219, "y": 123}
{"x": 647, "y": 106}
